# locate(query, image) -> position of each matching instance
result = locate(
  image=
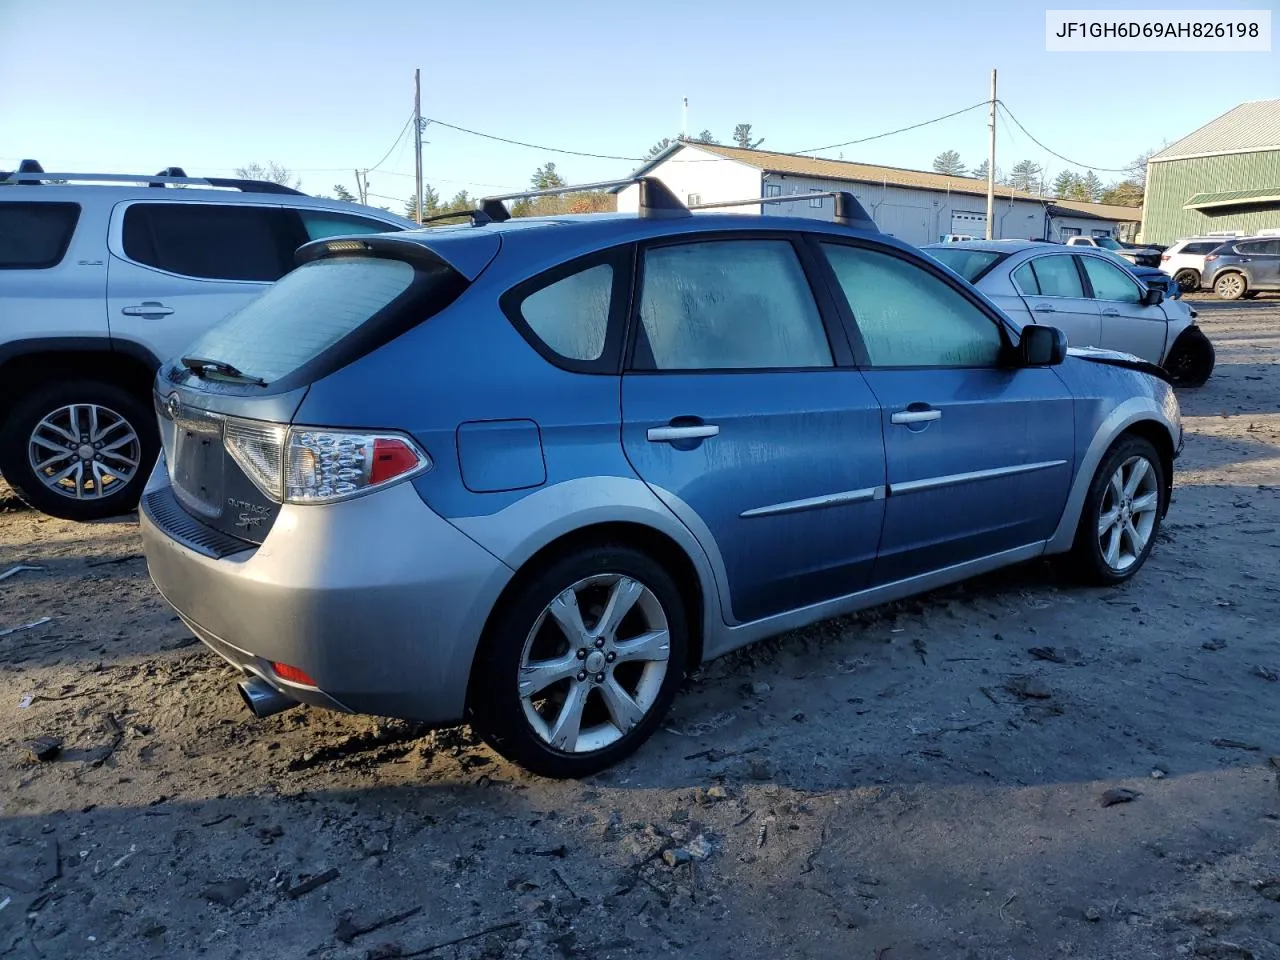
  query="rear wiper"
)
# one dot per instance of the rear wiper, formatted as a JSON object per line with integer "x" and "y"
{"x": 201, "y": 367}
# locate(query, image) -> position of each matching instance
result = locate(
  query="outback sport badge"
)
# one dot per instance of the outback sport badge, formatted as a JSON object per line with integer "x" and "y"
{"x": 250, "y": 513}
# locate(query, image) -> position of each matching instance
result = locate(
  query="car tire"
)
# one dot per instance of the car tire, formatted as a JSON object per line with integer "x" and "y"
{"x": 1230, "y": 286}
{"x": 1118, "y": 525}
{"x": 109, "y": 481}
{"x": 1188, "y": 280}
{"x": 527, "y": 716}
{"x": 1191, "y": 360}
{"x": 1249, "y": 294}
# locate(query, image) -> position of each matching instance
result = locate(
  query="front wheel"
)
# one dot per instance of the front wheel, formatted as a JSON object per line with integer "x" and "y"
{"x": 1230, "y": 286}
{"x": 1191, "y": 360}
{"x": 79, "y": 450}
{"x": 581, "y": 664}
{"x": 1121, "y": 515}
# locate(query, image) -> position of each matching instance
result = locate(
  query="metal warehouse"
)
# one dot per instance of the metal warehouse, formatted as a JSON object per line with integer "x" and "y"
{"x": 1224, "y": 176}
{"x": 914, "y": 205}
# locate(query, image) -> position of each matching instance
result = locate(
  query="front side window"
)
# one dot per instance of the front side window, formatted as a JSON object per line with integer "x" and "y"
{"x": 1055, "y": 276}
{"x": 319, "y": 224}
{"x": 1200, "y": 248}
{"x": 910, "y": 318}
{"x": 210, "y": 241}
{"x": 571, "y": 315}
{"x": 728, "y": 305}
{"x": 1109, "y": 282}
{"x": 35, "y": 236}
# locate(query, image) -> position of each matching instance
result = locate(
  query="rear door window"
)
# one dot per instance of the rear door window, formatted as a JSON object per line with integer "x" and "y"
{"x": 35, "y": 236}
{"x": 210, "y": 241}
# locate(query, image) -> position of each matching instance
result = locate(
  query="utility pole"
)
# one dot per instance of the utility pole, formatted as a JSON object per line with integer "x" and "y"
{"x": 417, "y": 144}
{"x": 684, "y": 120}
{"x": 360, "y": 189}
{"x": 991, "y": 165}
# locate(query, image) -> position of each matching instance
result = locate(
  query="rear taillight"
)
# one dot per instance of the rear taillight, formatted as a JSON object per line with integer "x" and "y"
{"x": 318, "y": 465}
{"x": 1164, "y": 257}
{"x": 1210, "y": 256}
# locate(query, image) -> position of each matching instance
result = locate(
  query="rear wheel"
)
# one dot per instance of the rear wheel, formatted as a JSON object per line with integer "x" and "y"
{"x": 1191, "y": 360}
{"x": 1121, "y": 515}
{"x": 581, "y": 664}
{"x": 79, "y": 450}
{"x": 1188, "y": 280}
{"x": 1230, "y": 286}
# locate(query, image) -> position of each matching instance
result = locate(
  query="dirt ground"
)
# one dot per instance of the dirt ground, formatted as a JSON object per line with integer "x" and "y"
{"x": 924, "y": 780}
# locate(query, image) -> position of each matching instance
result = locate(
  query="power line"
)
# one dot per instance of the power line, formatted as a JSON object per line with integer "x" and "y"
{"x": 535, "y": 146}
{"x": 1074, "y": 163}
{"x": 399, "y": 137}
{"x": 914, "y": 126}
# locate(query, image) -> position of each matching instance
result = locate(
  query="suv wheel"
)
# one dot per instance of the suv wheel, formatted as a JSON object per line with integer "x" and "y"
{"x": 581, "y": 664}
{"x": 1230, "y": 286}
{"x": 79, "y": 450}
{"x": 1188, "y": 280}
{"x": 1121, "y": 515}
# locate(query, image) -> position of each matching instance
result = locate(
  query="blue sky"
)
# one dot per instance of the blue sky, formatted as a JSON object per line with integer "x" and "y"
{"x": 324, "y": 86}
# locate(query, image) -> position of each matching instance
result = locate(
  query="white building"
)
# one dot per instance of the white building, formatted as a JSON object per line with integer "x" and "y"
{"x": 913, "y": 205}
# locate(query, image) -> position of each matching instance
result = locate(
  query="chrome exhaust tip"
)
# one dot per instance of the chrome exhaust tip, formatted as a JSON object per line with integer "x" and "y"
{"x": 262, "y": 699}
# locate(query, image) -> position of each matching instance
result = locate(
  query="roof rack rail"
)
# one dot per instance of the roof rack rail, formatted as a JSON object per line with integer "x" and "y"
{"x": 656, "y": 198}
{"x": 478, "y": 217}
{"x": 849, "y": 212}
{"x": 30, "y": 173}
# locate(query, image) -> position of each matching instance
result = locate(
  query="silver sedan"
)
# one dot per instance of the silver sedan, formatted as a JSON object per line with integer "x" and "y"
{"x": 1090, "y": 296}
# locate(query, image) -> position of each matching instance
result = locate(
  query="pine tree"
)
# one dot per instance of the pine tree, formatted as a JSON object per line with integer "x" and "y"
{"x": 949, "y": 162}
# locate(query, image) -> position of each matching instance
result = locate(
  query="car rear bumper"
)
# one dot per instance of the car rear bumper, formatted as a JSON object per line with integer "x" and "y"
{"x": 378, "y": 599}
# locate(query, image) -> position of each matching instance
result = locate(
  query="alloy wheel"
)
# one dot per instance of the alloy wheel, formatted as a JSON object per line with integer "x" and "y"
{"x": 1128, "y": 512}
{"x": 594, "y": 663}
{"x": 84, "y": 451}
{"x": 1229, "y": 287}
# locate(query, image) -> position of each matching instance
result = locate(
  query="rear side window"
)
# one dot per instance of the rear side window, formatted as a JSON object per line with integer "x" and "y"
{"x": 1202, "y": 247}
{"x": 210, "y": 241}
{"x": 319, "y": 224}
{"x": 729, "y": 305}
{"x": 310, "y": 311}
{"x": 571, "y": 315}
{"x": 35, "y": 236}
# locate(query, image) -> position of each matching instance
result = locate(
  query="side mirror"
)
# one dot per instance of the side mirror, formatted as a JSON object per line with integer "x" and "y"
{"x": 1153, "y": 297}
{"x": 1042, "y": 346}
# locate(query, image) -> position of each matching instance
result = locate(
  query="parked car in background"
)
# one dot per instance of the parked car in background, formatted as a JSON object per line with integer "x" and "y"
{"x": 1090, "y": 295}
{"x": 1140, "y": 256}
{"x": 1244, "y": 268}
{"x": 1184, "y": 260}
{"x": 101, "y": 278}
{"x": 530, "y": 473}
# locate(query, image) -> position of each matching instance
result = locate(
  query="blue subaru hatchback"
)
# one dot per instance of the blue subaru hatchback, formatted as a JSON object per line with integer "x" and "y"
{"x": 527, "y": 474}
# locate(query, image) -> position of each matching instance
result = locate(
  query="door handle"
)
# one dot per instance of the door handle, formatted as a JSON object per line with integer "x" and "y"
{"x": 1111, "y": 312}
{"x": 148, "y": 309}
{"x": 698, "y": 431}
{"x": 1044, "y": 308}
{"x": 915, "y": 416}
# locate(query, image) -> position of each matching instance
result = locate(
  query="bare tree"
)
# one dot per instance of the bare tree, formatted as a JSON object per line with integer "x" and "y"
{"x": 271, "y": 173}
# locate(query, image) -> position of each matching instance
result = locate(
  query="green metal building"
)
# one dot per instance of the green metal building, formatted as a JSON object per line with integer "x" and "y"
{"x": 1224, "y": 176}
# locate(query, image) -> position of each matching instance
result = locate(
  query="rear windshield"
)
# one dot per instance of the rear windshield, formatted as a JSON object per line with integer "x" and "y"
{"x": 970, "y": 264}
{"x": 35, "y": 236}
{"x": 309, "y": 311}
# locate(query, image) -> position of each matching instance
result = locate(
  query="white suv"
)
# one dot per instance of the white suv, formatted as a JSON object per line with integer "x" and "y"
{"x": 1184, "y": 261}
{"x": 101, "y": 278}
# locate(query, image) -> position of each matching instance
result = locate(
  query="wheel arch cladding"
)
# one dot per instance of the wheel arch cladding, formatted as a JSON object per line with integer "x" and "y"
{"x": 1158, "y": 436}
{"x": 21, "y": 370}
{"x": 654, "y": 542}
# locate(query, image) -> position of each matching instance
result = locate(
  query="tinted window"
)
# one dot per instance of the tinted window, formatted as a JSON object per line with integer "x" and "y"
{"x": 1202, "y": 247}
{"x": 571, "y": 316}
{"x": 1251, "y": 248}
{"x": 35, "y": 236}
{"x": 1110, "y": 282}
{"x": 319, "y": 224}
{"x": 307, "y": 312}
{"x": 1056, "y": 276}
{"x": 729, "y": 304}
{"x": 209, "y": 241}
{"x": 910, "y": 318}
{"x": 970, "y": 264}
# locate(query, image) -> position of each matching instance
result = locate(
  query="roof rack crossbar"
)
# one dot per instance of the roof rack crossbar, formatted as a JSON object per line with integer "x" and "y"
{"x": 849, "y": 212}
{"x": 656, "y": 198}
{"x": 246, "y": 186}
